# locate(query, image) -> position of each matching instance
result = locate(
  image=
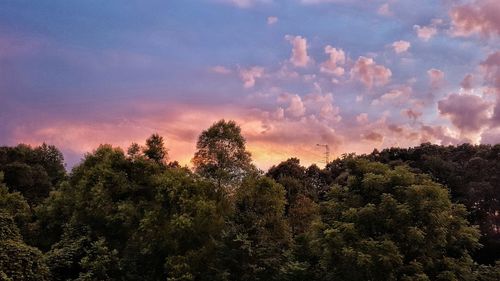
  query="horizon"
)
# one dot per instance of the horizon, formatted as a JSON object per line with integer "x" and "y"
{"x": 356, "y": 75}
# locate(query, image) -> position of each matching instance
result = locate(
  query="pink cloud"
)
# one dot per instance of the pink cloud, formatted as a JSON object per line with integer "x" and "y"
{"x": 221, "y": 69}
{"x": 425, "y": 32}
{"x": 373, "y": 136}
{"x": 411, "y": 114}
{"x": 491, "y": 71}
{"x": 469, "y": 113}
{"x": 437, "y": 134}
{"x": 394, "y": 96}
{"x": 272, "y": 20}
{"x": 249, "y": 76}
{"x": 436, "y": 77}
{"x": 467, "y": 82}
{"x": 401, "y": 46}
{"x": 491, "y": 136}
{"x": 336, "y": 57}
{"x": 362, "y": 118}
{"x": 245, "y": 3}
{"x": 322, "y": 105}
{"x": 299, "y": 56}
{"x": 480, "y": 16}
{"x": 369, "y": 73}
{"x": 296, "y": 107}
{"x": 384, "y": 10}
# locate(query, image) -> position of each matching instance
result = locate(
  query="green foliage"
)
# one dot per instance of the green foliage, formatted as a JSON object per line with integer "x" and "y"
{"x": 390, "y": 224}
{"x": 14, "y": 204}
{"x": 258, "y": 236}
{"x": 472, "y": 175}
{"x": 18, "y": 261}
{"x": 221, "y": 154}
{"x": 33, "y": 172}
{"x": 133, "y": 216}
{"x": 488, "y": 273}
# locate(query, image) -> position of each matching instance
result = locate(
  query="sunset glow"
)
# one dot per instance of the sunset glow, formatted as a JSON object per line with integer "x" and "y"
{"x": 355, "y": 75}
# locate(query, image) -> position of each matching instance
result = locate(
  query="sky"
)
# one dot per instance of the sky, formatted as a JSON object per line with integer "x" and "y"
{"x": 356, "y": 75}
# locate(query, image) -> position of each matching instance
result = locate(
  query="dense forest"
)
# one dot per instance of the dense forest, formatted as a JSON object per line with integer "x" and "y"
{"x": 425, "y": 213}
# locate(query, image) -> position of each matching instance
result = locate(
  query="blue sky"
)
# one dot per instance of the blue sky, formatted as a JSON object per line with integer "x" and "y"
{"x": 357, "y": 75}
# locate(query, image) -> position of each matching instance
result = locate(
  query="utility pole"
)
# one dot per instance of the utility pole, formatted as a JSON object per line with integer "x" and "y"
{"x": 327, "y": 152}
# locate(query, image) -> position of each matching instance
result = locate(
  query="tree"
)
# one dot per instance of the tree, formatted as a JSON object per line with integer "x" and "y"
{"x": 155, "y": 149}
{"x": 221, "y": 154}
{"x": 134, "y": 151}
{"x": 471, "y": 172}
{"x": 258, "y": 238}
{"x": 18, "y": 261}
{"x": 14, "y": 205}
{"x": 392, "y": 224}
{"x": 32, "y": 172}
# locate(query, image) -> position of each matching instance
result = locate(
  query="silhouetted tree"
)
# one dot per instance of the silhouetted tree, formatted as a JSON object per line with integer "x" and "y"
{"x": 155, "y": 149}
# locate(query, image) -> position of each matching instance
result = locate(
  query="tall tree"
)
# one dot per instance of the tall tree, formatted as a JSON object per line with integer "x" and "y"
{"x": 222, "y": 155}
{"x": 155, "y": 149}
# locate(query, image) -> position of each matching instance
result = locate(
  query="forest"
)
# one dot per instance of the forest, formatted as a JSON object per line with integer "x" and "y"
{"x": 429, "y": 212}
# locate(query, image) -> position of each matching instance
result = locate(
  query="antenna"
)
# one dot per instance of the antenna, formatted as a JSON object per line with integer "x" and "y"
{"x": 327, "y": 152}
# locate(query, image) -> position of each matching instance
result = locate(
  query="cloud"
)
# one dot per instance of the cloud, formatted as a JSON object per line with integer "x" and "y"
{"x": 467, "y": 82}
{"x": 362, "y": 118}
{"x": 411, "y": 114}
{"x": 401, "y": 46}
{"x": 312, "y": 2}
{"x": 336, "y": 57}
{"x": 425, "y": 32}
{"x": 221, "y": 69}
{"x": 322, "y": 106}
{"x": 469, "y": 113}
{"x": 369, "y": 73}
{"x": 272, "y": 20}
{"x": 373, "y": 136}
{"x": 248, "y": 76}
{"x": 299, "y": 56}
{"x": 394, "y": 96}
{"x": 245, "y": 3}
{"x": 436, "y": 77}
{"x": 480, "y": 16}
{"x": 439, "y": 134}
{"x": 384, "y": 10}
{"x": 491, "y": 71}
{"x": 296, "y": 107}
{"x": 491, "y": 136}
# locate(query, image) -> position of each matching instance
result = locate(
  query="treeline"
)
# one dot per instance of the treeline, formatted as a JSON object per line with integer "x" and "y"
{"x": 424, "y": 213}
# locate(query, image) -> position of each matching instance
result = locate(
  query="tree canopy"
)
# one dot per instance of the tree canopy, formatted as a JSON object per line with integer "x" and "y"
{"x": 421, "y": 213}
{"x": 221, "y": 154}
